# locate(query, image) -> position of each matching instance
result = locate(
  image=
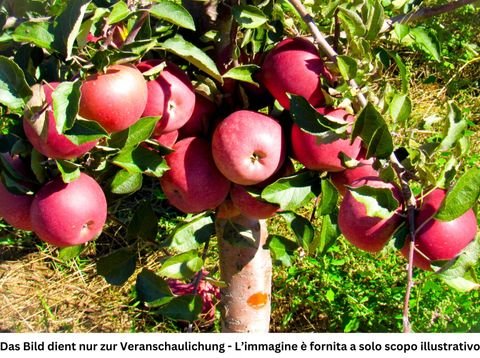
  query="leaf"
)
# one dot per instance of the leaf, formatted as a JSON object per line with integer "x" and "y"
{"x": 183, "y": 308}
{"x": 67, "y": 26}
{"x": 84, "y": 131}
{"x": 400, "y": 108}
{"x": 375, "y": 19}
{"x": 291, "y": 192}
{"x": 462, "y": 197}
{"x": 142, "y": 160}
{"x": 327, "y": 236}
{"x": 401, "y": 30}
{"x": 243, "y": 73}
{"x": 66, "y": 101}
{"x": 139, "y": 132}
{"x": 249, "y": 16}
{"x": 118, "y": 266}
{"x": 301, "y": 227}
{"x": 281, "y": 249}
{"x": 36, "y": 33}
{"x": 460, "y": 273}
{"x": 404, "y": 74}
{"x": 372, "y": 128}
{"x": 119, "y": 12}
{"x": 427, "y": 42}
{"x": 329, "y": 200}
{"x": 180, "y": 47}
{"x": 454, "y": 128}
{"x": 238, "y": 235}
{"x": 125, "y": 182}
{"x": 14, "y": 89}
{"x": 144, "y": 223}
{"x": 152, "y": 289}
{"x": 182, "y": 266}
{"x": 348, "y": 67}
{"x": 69, "y": 253}
{"x": 173, "y": 13}
{"x": 378, "y": 202}
{"x": 188, "y": 235}
{"x": 351, "y": 21}
{"x": 69, "y": 170}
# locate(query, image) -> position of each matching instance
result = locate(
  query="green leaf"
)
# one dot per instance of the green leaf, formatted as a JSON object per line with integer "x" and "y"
{"x": 348, "y": 67}
{"x": 69, "y": 170}
{"x": 373, "y": 130}
{"x": 85, "y": 131}
{"x": 118, "y": 266}
{"x": 403, "y": 70}
{"x": 454, "y": 128}
{"x": 67, "y": 26}
{"x": 69, "y": 253}
{"x": 351, "y": 22}
{"x": 378, "y": 202}
{"x": 139, "y": 132}
{"x": 400, "y": 108}
{"x": 329, "y": 233}
{"x": 173, "y": 13}
{"x": 36, "y": 165}
{"x": 183, "y": 308}
{"x": 180, "y": 47}
{"x": 249, "y": 16}
{"x": 142, "y": 160}
{"x": 281, "y": 249}
{"x": 125, "y": 182}
{"x": 462, "y": 197}
{"x": 182, "y": 266}
{"x": 460, "y": 274}
{"x": 144, "y": 223}
{"x": 14, "y": 89}
{"x": 329, "y": 200}
{"x": 36, "y": 33}
{"x": 375, "y": 18}
{"x": 291, "y": 192}
{"x": 427, "y": 42}
{"x": 301, "y": 227}
{"x": 401, "y": 30}
{"x": 243, "y": 73}
{"x": 188, "y": 235}
{"x": 65, "y": 101}
{"x": 119, "y": 12}
{"x": 152, "y": 289}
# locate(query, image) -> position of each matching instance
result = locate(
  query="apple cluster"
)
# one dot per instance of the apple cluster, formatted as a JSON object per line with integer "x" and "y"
{"x": 224, "y": 164}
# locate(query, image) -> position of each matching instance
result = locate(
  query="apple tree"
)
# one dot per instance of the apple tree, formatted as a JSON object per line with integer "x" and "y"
{"x": 232, "y": 113}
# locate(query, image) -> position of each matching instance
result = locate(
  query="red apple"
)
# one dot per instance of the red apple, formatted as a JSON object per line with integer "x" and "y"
{"x": 115, "y": 99}
{"x": 166, "y": 139}
{"x": 15, "y": 208}
{"x": 367, "y": 232}
{"x": 170, "y": 95}
{"x": 320, "y": 154}
{"x": 437, "y": 240}
{"x": 248, "y": 147}
{"x": 193, "y": 183}
{"x": 227, "y": 210}
{"x": 294, "y": 66}
{"x": 69, "y": 214}
{"x": 250, "y": 205}
{"x": 198, "y": 123}
{"x": 53, "y": 144}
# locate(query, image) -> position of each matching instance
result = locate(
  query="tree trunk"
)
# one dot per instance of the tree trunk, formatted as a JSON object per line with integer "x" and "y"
{"x": 246, "y": 269}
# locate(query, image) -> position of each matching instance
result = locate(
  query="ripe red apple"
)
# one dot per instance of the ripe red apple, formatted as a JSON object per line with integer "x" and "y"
{"x": 294, "y": 66}
{"x": 69, "y": 214}
{"x": 227, "y": 210}
{"x": 250, "y": 205}
{"x": 115, "y": 99}
{"x": 439, "y": 240}
{"x": 170, "y": 95}
{"x": 320, "y": 154}
{"x": 15, "y": 208}
{"x": 53, "y": 144}
{"x": 248, "y": 147}
{"x": 198, "y": 123}
{"x": 193, "y": 183}
{"x": 367, "y": 232}
{"x": 166, "y": 139}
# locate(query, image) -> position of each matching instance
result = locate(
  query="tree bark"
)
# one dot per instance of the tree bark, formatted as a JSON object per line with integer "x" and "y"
{"x": 246, "y": 270}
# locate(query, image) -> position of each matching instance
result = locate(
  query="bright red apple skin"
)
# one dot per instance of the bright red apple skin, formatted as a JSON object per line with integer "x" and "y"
{"x": 251, "y": 206}
{"x": 294, "y": 66}
{"x": 366, "y": 232}
{"x": 248, "y": 147}
{"x": 170, "y": 96}
{"x": 167, "y": 139}
{"x": 348, "y": 176}
{"x": 323, "y": 156}
{"x": 115, "y": 99}
{"x": 440, "y": 240}
{"x": 198, "y": 125}
{"x": 69, "y": 214}
{"x": 54, "y": 145}
{"x": 193, "y": 183}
